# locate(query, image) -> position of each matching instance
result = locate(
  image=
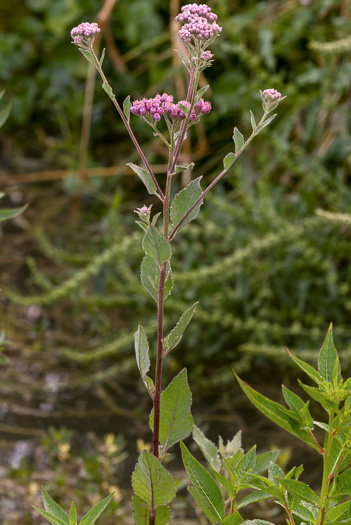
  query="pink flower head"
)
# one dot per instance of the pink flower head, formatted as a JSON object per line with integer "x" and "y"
{"x": 199, "y": 23}
{"x": 270, "y": 99}
{"x": 84, "y": 33}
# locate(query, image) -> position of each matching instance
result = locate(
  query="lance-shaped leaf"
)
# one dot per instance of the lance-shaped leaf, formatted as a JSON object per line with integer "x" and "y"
{"x": 328, "y": 357}
{"x": 89, "y": 56}
{"x": 73, "y": 514}
{"x": 50, "y": 517}
{"x": 305, "y": 513}
{"x": 239, "y": 140}
{"x": 182, "y": 167}
{"x": 150, "y": 277}
{"x": 200, "y": 93}
{"x": 266, "y": 122}
{"x": 263, "y": 461}
{"x": 246, "y": 465}
{"x": 145, "y": 176}
{"x": 182, "y": 58}
{"x": 298, "y": 409}
{"x": 258, "y": 495}
{"x": 253, "y": 121}
{"x": 233, "y": 519}
{"x": 151, "y": 481}
{"x": 108, "y": 89}
{"x": 342, "y": 486}
{"x": 10, "y": 214}
{"x": 174, "y": 337}
{"x": 206, "y": 493}
{"x": 126, "y": 107}
{"x": 321, "y": 397}
{"x": 142, "y": 353}
{"x": 142, "y": 513}
{"x": 301, "y": 490}
{"x": 339, "y": 512}
{"x": 156, "y": 246}
{"x": 53, "y": 508}
{"x": 208, "y": 449}
{"x": 257, "y": 522}
{"x": 183, "y": 202}
{"x": 228, "y": 160}
{"x": 4, "y": 114}
{"x": 308, "y": 369}
{"x": 335, "y": 454}
{"x": 277, "y": 413}
{"x": 93, "y": 514}
{"x": 176, "y": 421}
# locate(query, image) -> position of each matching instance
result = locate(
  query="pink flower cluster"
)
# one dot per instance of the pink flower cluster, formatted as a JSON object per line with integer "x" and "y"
{"x": 272, "y": 94}
{"x": 160, "y": 104}
{"x": 84, "y": 31}
{"x": 199, "y": 22}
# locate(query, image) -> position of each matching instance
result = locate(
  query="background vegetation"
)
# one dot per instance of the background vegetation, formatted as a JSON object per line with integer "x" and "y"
{"x": 269, "y": 263}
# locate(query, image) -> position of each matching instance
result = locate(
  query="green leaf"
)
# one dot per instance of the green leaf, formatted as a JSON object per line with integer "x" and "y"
{"x": 337, "y": 512}
{"x": 200, "y": 93}
{"x": 305, "y": 513}
{"x": 308, "y": 369}
{"x": 53, "y": 508}
{"x": 328, "y": 357}
{"x": 90, "y": 57}
{"x": 208, "y": 449}
{"x": 319, "y": 396}
{"x": 126, "y": 107}
{"x": 266, "y": 122}
{"x": 257, "y": 522}
{"x": 253, "y": 121}
{"x": 156, "y": 246}
{"x": 50, "y": 517}
{"x": 183, "y": 201}
{"x": 145, "y": 176}
{"x": 4, "y": 114}
{"x": 228, "y": 160}
{"x": 246, "y": 464}
{"x": 174, "y": 337}
{"x": 183, "y": 107}
{"x": 150, "y": 277}
{"x": 142, "y": 351}
{"x": 142, "y": 514}
{"x": 207, "y": 491}
{"x": 232, "y": 519}
{"x": 229, "y": 487}
{"x": 73, "y": 514}
{"x": 10, "y": 214}
{"x": 180, "y": 168}
{"x": 258, "y": 495}
{"x": 342, "y": 486}
{"x": 335, "y": 455}
{"x": 151, "y": 481}
{"x": 184, "y": 62}
{"x": 94, "y": 513}
{"x": 3, "y": 359}
{"x": 102, "y": 58}
{"x": 107, "y": 88}
{"x": 263, "y": 461}
{"x": 239, "y": 140}
{"x": 176, "y": 421}
{"x": 301, "y": 490}
{"x": 276, "y": 413}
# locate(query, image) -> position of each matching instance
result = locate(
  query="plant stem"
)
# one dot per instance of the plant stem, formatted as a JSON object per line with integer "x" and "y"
{"x": 126, "y": 123}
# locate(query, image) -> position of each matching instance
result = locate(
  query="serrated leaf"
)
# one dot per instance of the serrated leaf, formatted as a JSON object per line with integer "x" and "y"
{"x": 175, "y": 336}
{"x": 253, "y": 121}
{"x": 89, "y": 56}
{"x": 342, "y": 486}
{"x": 176, "y": 421}
{"x": 152, "y": 482}
{"x": 319, "y": 396}
{"x": 232, "y": 519}
{"x": 141, "y": 346}
{"x": 50, "y": 517}
{"x": 150, "y": 277}
{"x": 182, "y": 167}
{"x": 258, "y": 495}
{"x": 228, "y": 160}
{"x": 10, "y": 214}
{"x": 126, "y": 107}
{"x": 263, "y": 461}
{"x": 53, "y": 508}
{"x": 142, "y": 514}
{"x": 266, "y": 122}
{"x": 328, "y": 357}
{"x": 335, "y": 455}
{"x": 94, "y": 513}
{"x": 73, "y": 514}
{"x": 301, "y": 490}
{"x": 156, "y": 246}
{"x": 107, "y": 88}
{"x": 207, "y": 490}
{"x": 145, "y": 176}
{"x": 229, "y": 487}
{"x": 200, "y": 93}
{"x": 4, "y": 114}
{"x": 304, "y": 512}
{"x": 276, "y": 413}
{"x": 337, "y": 512}
{"x": 239, "y": 140}
{"x": 246, "y": 465}
{"x": 208, "y": 448}
{"x": 309, "y": 370}
{"x": 183, "y": 202}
